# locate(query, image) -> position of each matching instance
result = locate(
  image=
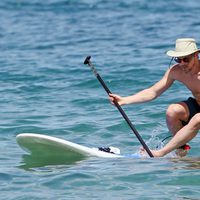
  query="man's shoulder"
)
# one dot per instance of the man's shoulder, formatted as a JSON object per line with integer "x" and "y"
{"x": 175, "y": 67}
{"x": 175, "y": 71}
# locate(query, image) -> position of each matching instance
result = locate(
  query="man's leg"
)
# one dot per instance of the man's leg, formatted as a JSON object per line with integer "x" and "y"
{"x": 175, "y": 116}
{"x": 183, "y": 136}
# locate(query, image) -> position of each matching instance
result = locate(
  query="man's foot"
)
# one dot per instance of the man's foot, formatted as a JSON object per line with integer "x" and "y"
{"x": 182, "y": 151}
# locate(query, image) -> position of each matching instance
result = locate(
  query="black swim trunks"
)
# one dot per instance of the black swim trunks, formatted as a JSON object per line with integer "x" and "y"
{"x": 193, "y": 107}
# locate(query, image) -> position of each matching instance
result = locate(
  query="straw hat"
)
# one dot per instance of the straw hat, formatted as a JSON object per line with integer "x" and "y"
{"x": 184, "y": 47}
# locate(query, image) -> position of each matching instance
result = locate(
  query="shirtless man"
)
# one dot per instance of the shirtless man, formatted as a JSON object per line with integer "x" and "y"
{"x": 183, "y": 118}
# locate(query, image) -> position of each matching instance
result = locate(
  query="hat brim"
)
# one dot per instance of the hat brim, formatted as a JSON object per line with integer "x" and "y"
{"x": 176, "y": 54}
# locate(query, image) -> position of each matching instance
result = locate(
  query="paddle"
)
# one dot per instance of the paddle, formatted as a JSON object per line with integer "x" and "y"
{"x": 88, "y": 62}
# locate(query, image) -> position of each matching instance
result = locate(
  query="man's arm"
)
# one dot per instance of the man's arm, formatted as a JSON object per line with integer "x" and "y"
{"x": 147, "y": 94}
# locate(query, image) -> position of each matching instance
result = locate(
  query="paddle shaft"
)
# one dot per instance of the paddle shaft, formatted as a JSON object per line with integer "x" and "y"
{"x": 88, "y": 62}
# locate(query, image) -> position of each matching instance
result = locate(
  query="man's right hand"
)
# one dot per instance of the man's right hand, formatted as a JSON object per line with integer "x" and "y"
{"x": 116, "y": 98}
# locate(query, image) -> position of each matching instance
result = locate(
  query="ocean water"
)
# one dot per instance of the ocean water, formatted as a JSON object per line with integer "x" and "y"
{"x": 46, "y": 89}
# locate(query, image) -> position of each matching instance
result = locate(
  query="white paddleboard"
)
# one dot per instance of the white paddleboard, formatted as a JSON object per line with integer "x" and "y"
{"x": 38, "y": 144}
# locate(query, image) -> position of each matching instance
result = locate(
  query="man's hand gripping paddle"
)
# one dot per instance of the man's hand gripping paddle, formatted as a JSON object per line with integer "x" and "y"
{"x": 88, "y": 62}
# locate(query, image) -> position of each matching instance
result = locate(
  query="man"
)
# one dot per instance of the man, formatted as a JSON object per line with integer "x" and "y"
{"x": 183, "y": 118}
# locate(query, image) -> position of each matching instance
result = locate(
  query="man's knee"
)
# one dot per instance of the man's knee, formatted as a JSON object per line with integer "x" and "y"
{"x": 176, "y": 110}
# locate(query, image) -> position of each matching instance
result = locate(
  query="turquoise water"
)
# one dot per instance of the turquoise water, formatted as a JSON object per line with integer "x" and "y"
{"x": 45, "y": 88}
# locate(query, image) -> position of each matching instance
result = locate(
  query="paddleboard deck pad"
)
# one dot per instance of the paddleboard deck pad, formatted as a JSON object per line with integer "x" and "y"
{"x": 44, "y": 145}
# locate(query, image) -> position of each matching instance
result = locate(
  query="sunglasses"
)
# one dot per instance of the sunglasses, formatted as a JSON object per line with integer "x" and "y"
{"x": 186, "y": 59}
